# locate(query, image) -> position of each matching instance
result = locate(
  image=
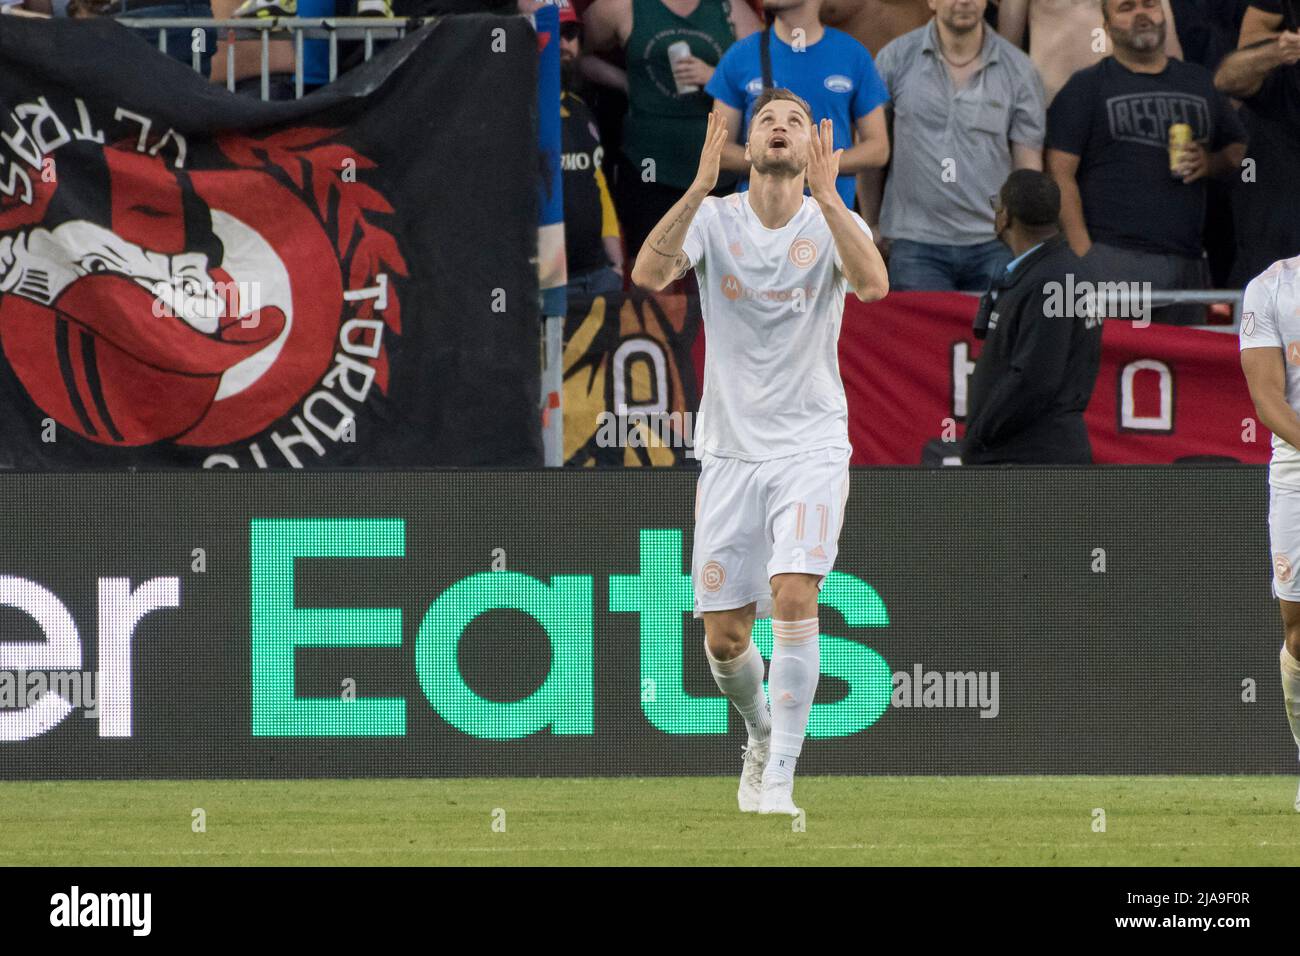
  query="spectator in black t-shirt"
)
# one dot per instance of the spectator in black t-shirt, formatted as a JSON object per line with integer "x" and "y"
{"x": 1266, "y": 201}
{"x": 592, "y": 244}
{"x": 1108, "y": 150}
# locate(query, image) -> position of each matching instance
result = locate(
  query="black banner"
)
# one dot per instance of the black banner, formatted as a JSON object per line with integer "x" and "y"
{"x": 193, "y": 278}
{"x": 354, "y": 624}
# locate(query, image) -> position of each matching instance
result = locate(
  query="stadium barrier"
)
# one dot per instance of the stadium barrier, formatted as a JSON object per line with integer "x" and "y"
{"x": 366, "y": 29}
{"x": 1164, "y": 393}
{"x": 1035, "y": 621}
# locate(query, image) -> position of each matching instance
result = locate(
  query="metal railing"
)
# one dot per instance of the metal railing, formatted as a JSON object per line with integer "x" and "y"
{"x": 1204, "y": 297}
{"x": 299, "y": 29}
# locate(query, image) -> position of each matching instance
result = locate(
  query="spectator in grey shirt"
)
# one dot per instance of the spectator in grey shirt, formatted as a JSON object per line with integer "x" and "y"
{"x": 968, "y": 108}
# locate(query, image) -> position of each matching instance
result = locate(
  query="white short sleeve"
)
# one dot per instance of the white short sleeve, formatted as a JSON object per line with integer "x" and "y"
{"x": 862, "y": 224}
{"x": 1259, "y": 327}
{"x": 697, "y": 231}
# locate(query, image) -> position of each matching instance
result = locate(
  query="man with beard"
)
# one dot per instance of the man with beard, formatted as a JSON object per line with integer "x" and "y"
{"x": 772, "y": 435}
{"x": 593, "y": 249}
{"x": 1108, "y": 150}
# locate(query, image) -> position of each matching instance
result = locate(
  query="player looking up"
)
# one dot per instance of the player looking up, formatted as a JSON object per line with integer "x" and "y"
{"x": 773, "y": 267}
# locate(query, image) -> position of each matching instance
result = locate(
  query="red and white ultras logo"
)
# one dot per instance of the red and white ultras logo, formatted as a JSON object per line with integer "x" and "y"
{"x": 199, "y": 306}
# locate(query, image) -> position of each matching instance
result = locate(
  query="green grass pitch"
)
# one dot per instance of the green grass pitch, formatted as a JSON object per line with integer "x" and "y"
{"x": 653, "y": 821}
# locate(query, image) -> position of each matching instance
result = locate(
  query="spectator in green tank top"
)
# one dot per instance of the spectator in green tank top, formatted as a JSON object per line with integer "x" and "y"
{"x": 663, "y": 131}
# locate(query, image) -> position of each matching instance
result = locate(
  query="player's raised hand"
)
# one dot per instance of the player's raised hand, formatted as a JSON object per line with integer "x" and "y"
{"x": 823, "y": 162}
{"x": 715, "y": 137}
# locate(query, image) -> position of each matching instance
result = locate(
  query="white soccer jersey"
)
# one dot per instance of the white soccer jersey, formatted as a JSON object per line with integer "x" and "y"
{"x": 772, "y": 301}
{"x": 1270, "y": 317}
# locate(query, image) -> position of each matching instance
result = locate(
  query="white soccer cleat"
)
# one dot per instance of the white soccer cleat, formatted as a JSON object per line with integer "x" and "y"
{"x": 751, "y": 776}
{"x": 778, "y": 798}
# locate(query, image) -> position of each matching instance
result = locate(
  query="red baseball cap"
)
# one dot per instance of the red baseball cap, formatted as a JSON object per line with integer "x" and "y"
{"x": 567, "y": 13}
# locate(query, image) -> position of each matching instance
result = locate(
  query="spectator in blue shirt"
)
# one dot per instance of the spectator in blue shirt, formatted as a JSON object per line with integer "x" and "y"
{"x": 828, "y": 68}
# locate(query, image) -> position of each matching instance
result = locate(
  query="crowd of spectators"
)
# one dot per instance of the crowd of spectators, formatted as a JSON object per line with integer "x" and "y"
{"x": 935, "y": 103}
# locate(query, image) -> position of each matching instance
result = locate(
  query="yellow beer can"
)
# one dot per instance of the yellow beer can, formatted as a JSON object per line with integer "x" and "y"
{"x": 1180, "y": 135}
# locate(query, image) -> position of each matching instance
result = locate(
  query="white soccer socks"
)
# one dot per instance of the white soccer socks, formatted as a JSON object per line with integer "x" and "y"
{"x": 741, "y": 680}
{"x": 796, "y": 665}
{"x": 1290, "y": 694}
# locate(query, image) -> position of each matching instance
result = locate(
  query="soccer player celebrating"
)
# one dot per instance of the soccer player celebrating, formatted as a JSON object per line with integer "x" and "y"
{"x": 773, "y": 267}
{"x": 1270, "y": 357}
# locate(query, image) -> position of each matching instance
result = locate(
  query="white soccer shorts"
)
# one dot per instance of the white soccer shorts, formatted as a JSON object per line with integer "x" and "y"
{"x": 754, "y": 519}
{"x": 1284, "y": 541}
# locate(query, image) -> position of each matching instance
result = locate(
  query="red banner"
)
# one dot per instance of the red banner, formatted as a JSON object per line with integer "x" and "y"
{"x": 1164, "y": 394}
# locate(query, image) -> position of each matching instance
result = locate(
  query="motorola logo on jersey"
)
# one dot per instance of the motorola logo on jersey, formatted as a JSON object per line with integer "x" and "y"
{"x": 800, "y": 296}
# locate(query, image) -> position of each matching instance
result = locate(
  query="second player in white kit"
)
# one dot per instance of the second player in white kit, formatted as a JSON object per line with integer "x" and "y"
{"x": 773, "y": 268}
{"x": 1270, "y": 357}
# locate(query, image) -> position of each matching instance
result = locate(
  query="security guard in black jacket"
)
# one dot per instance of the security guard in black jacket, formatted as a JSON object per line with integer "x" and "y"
{"x": 1042, "y": 333}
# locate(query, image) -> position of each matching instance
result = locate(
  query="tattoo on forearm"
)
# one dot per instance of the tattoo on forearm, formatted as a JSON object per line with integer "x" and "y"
{"x": 682, "y": 222}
